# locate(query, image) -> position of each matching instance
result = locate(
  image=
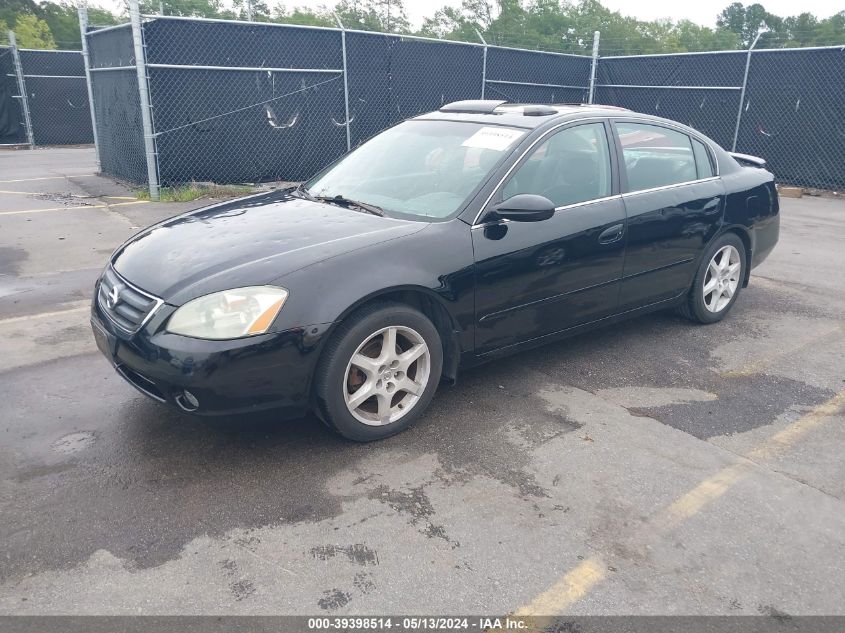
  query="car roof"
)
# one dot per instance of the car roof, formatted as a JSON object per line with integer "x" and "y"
{"x": 528, "y": 116}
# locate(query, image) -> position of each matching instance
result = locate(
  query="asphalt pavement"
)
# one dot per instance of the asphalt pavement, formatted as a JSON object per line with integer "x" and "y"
{"x": 652, "y": 467}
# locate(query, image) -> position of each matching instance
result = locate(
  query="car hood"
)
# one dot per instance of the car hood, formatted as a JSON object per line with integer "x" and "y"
{"x": 245, "y": 242}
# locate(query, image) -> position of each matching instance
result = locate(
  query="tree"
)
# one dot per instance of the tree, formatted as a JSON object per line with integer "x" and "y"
{"x": 392, "y": 15}
{"x": 358, "y": 15}
{"x": 689, "y": 36}
{"x": 386, "y": 16}
{"x": 186, "y": 8}
{"x": 102, "y": 17}
{"x": 63, "y": 21}
{"x": 748, "y": 21}
{"x": 302, "y": 15}
{"x": 10, "y": 9}
{"x": 33, "y": 32}
{"x": 830, "y": 31}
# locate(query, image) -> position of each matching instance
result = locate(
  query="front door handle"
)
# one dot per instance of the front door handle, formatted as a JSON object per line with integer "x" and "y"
{"x": 612, "y": 234}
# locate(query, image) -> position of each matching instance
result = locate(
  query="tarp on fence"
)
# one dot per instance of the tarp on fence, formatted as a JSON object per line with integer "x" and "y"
{"x": 245, "y": 102}
{"x": 12, "y": 130}
{"x": 534, "y": 77}
{"x": 117, "y": 108}
{"x": 393, "y": 78}
{"x": 225, "y": 125}
{"x": 57, "y": 96}
{"x": 711, "y": 109}
{"x": 794, "y": 115}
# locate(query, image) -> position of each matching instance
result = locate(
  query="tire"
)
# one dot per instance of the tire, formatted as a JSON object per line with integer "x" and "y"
{"x": 400, "y": 389}
{"x": 710, "y": 307}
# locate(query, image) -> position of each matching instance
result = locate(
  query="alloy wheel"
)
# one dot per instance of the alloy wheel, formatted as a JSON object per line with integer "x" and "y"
{"x": 722, "y": 278}
{"x": 386, "y": 375}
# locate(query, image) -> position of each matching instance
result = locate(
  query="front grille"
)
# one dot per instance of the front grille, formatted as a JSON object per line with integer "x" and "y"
{"x": 127, "y": 307}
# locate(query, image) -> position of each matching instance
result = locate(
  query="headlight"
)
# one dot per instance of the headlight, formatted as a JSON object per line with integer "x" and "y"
{"x": 229, "y": 314}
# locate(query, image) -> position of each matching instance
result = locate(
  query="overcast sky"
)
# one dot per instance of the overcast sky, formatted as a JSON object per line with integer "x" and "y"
{"x": 701, "y": 11}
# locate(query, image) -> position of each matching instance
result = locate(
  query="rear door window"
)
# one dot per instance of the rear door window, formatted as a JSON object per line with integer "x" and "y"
{"x": 702, "y": 159}
{"x": 656, "y": 156}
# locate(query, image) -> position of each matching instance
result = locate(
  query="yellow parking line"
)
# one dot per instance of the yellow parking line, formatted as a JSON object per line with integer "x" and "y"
{"x": 578, "y": 582}
{"x": 691, "y": 503}
{"x": 571, "y": 587}
{"x": 47, "y": 178}
{"x": 86, "y": 206}
{"x": 757, "y": 366}
{"x": 789, "y": 436}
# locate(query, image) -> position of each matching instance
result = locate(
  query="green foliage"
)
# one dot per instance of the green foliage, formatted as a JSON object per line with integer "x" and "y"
{"x": 569, "y": 27}
{"x": 33, "y": 32}
{"x": 556, "y": 25}
{"x": 195, "y": 191}
{"x": 385, "y": 16}
{"x": 302, "y": 16}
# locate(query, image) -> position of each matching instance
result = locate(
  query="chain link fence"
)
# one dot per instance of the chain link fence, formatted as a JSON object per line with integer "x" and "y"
{"x": 43, "y": 98}
{"x": 246, "y": 102}
{"x": 116, "y": 103}
{"x": 794, "y": 115}
{"x": 13, "y": 128}
{"x": 785, "y": 105}
{"x": 233, "y": 102}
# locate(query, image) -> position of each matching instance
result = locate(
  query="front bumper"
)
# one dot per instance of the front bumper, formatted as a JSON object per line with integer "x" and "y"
{"x": 267, "y": 371}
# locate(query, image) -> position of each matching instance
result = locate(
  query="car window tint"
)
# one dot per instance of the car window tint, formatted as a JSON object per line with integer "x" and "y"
{"x": 571, "y": 166}
{"x": 655, "y": 156}
{"x": 702, "y": 159}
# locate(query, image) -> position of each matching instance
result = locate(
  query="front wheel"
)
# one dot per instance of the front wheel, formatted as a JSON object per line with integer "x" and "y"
{"x": 717, "y": 282}
{"x": 379, "y": 372}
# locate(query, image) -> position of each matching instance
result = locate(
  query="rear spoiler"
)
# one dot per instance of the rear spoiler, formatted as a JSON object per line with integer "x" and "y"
{"x": 748, "y": 161}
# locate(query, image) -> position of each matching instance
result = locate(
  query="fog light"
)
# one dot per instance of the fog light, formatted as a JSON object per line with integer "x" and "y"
{"x": 187, "y": 401}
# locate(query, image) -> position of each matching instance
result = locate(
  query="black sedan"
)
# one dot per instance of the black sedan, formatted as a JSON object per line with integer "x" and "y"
{"x": 443, "y": 242}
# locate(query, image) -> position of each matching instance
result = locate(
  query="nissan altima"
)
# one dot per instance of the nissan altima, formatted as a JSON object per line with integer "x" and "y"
{"x": 445, "y": 241}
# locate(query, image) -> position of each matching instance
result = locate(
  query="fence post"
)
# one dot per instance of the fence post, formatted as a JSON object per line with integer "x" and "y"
{"x": 594, "y": 65}
{"x": 144, "y": 97}
{"x": 16, "y": 59}
{"x": 83, "y": 31}
{"x": 483, "y": 64}
{"x": 742, "y": 92}
{"x": 345, "y": 81}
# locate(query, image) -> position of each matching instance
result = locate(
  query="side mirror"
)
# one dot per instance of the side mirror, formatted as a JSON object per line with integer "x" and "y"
{"x": 525, "y": 207}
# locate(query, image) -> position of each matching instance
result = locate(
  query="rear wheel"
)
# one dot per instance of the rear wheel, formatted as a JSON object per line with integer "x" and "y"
{"x": 379, "y": 372}
{"x": 717, "y": 282}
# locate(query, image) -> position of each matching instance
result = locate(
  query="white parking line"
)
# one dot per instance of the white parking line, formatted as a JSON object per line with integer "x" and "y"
{"x": 48, "y": 178}
{"x": 85, "y": 206}
{"x": 44, "y": 315}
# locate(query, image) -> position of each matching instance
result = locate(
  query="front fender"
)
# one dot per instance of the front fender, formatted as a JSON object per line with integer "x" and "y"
{"x": 436, "y": 261}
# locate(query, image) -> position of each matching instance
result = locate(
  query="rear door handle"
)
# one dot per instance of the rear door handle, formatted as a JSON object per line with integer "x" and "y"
{"x": 612, "y": 234}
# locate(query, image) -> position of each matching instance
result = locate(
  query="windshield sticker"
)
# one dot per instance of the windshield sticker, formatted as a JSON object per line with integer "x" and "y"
{"x": 497, "y": 138}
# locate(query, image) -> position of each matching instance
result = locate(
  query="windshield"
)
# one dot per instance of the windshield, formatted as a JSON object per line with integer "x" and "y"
{"x": 418, "y": 168}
